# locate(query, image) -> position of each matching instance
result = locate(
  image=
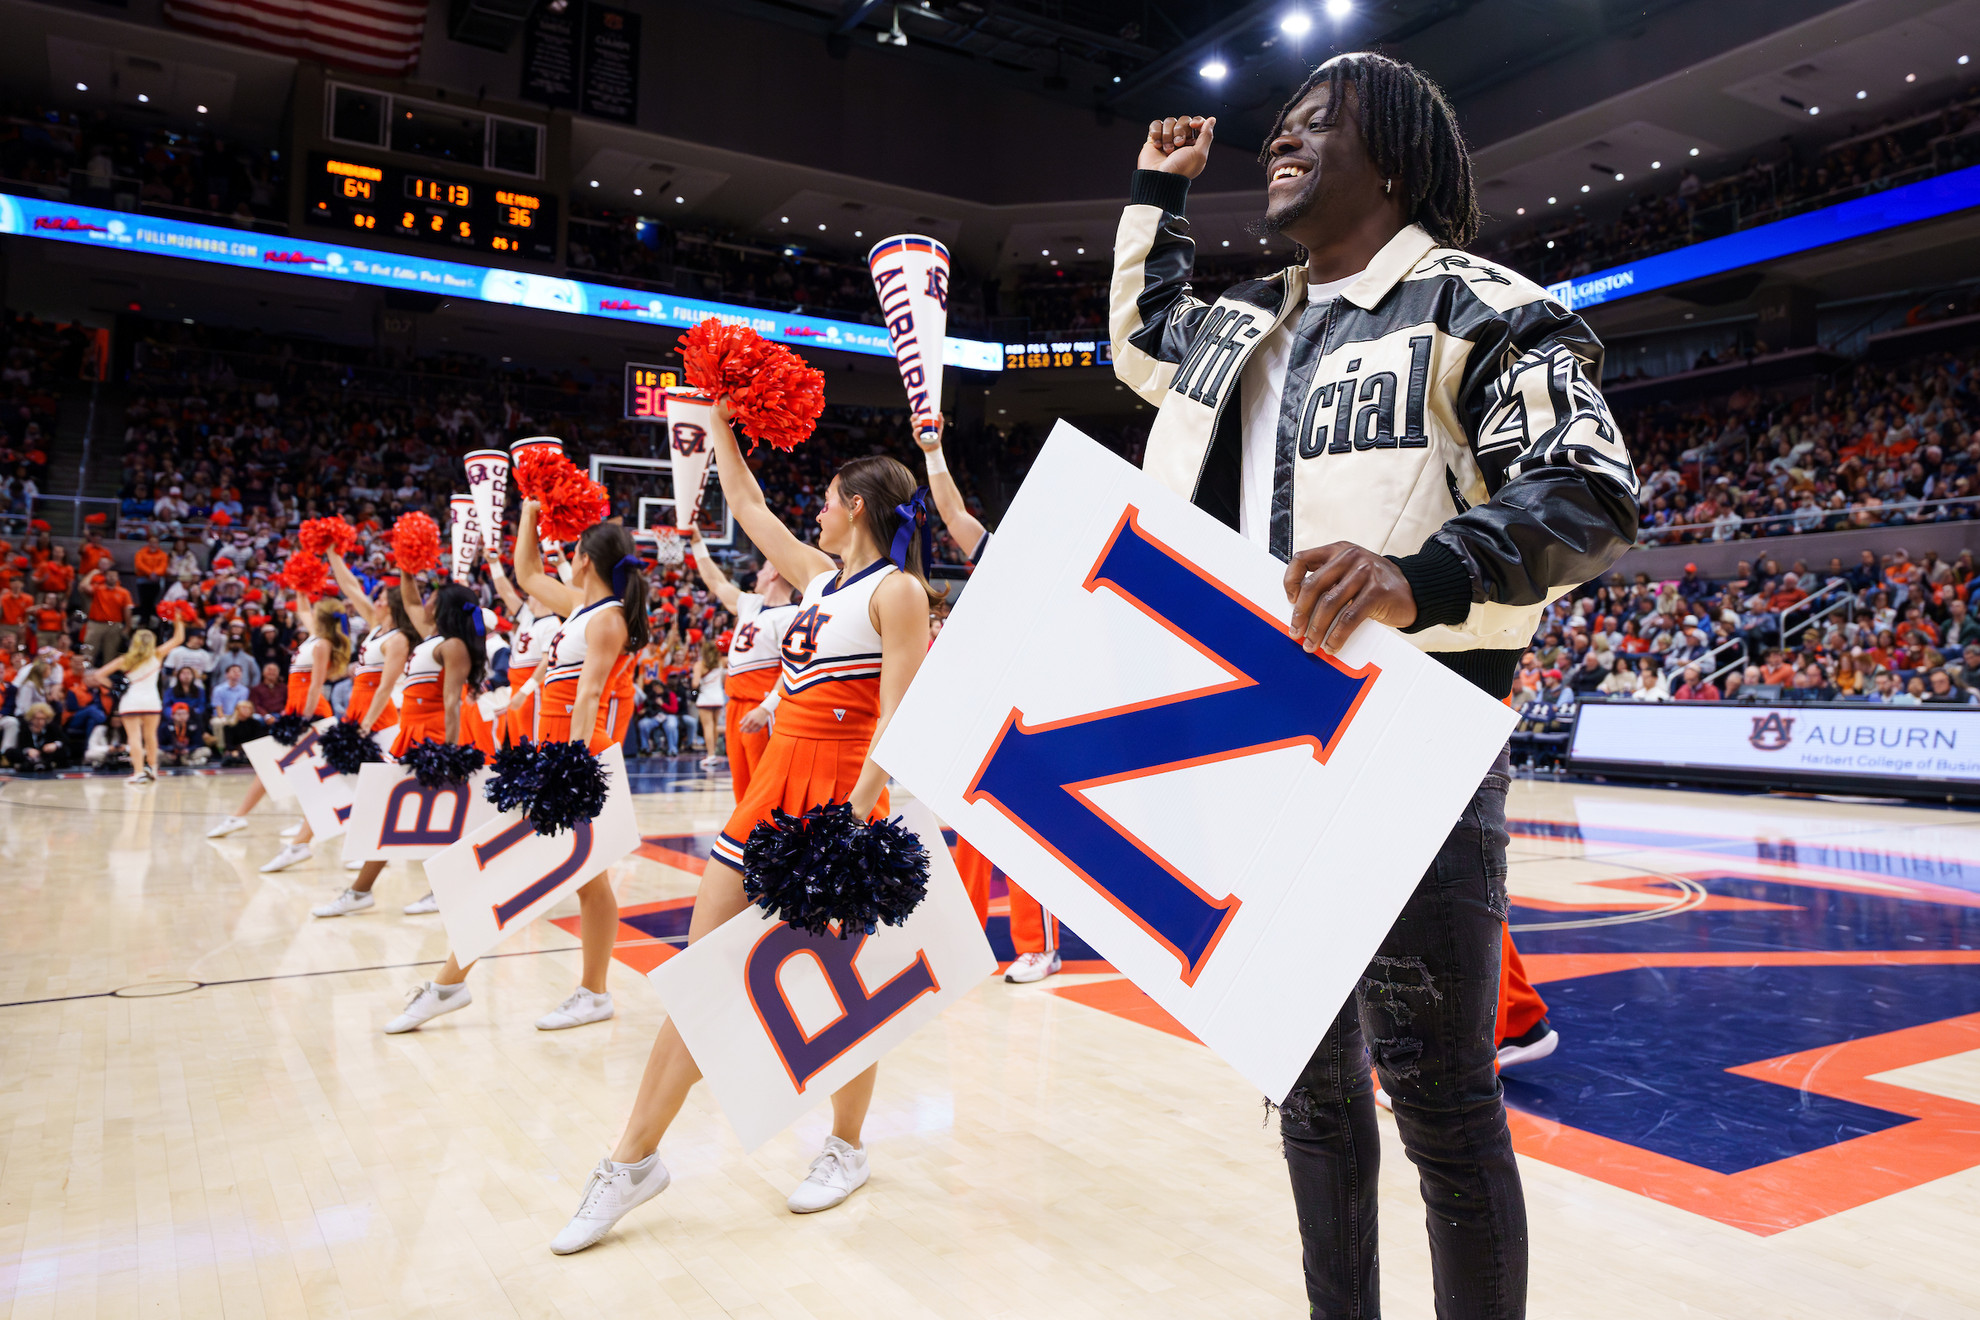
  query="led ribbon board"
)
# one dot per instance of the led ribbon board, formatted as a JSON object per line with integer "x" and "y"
{"x": 1927, "y": 199}
{"x": 243, "y": 249}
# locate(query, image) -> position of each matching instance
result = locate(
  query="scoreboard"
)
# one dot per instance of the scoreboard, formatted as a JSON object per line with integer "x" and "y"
{"x": 374, "y": 199}
{"x": 1058, "y": 353}
{"x": 646, "y": 391}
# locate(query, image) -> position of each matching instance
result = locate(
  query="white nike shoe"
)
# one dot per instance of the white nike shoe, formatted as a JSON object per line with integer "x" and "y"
{"x": 611, "y": 1192}
{"x": 292, "y": 831}
{"x": 288, "y": 857}
{"x": 420, "y": 907}
{"x": 345, "y": 904}
{"x": 231, "y": 825}
{"x": 583, "y": 1006}
{"x": 1031, "y": 967}
{"x": 838, "y": 1172}
{"x": 427, "y": 1002}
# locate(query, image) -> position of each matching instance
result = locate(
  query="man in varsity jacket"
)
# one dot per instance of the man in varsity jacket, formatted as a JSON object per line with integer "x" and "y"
{"x": 1418, "y": 433}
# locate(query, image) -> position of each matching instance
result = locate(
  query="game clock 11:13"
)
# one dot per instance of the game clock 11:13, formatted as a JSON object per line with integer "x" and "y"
{"x": 375, "y": 199}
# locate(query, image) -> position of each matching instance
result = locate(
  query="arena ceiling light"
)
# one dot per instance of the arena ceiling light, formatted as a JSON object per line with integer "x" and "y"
{"x": 82, "y": 87}
{"x": 1339, "y": 9}
{"x": 1214, "y": 70}
{"x": 1296, "y": 24}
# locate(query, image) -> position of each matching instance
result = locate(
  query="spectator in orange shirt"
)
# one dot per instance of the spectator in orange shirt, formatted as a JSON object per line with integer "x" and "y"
{"x": 1776, "y": 670}
{"x": 56, "y": 573}
{"x": 49, "y": 620}
{"x": 1790, "y": 593}
{"x": 14, "y": 604}
{"x": 109, "y": 615}
{"x": 94, "y": 554}
{"x": 1899, "y": 575}
{"x": 152, "y": 565}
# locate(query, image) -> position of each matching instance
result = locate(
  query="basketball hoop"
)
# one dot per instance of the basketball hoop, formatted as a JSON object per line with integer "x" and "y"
{"x": 667, "y": 551}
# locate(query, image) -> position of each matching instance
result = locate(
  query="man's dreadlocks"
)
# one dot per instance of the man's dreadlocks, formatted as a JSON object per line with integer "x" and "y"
{"x": 1412, "y": 136}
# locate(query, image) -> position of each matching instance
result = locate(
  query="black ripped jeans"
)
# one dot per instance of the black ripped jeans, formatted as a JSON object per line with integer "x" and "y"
{"x": 1427, "y": 1005}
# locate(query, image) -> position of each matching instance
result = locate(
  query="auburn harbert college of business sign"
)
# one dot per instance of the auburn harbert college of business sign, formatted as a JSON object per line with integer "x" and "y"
{"x": 1905, "y": 744}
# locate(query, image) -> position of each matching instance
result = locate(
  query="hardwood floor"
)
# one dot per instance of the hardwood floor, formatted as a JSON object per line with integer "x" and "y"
{"x": 231, "y": 1134}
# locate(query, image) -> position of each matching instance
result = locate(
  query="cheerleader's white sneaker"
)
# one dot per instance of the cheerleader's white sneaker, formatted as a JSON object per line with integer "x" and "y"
{"x": 292, "y": 831}
{"x": 1031, "y": 967}
{"x": 427, "y": 1002}
{"x": 838, "y": 1172}
{"x": 290, "y": 856}
{"x": 345, "y": 904}
{"x": 612, "y": 1191}
{"x": 231, "y": 825}
{"x": 583, "y": 1006}
{"x": 420, "y": 907}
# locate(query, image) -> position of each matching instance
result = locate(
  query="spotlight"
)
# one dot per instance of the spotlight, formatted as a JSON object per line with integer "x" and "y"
{"x": 680, "y": 201}
{"x": 821, "y": 229}
{"x": 1553, "y": 201}
{"x": 639, "y": 192}
{"x": 594, "y": 183}
{"x": 1550, "y": 245}
{"x": 1911, "y": 77}
{"x": 1694, "y": 151}
{"x": 859, "y": 233}
{"x": 1619, "y": 178}
{"x": 1296, "y": 24}
{"x": 1584, "y": 187}
{"x": 1656, "y": 164}
{"x": 1339, "y": 9}
{"x": 1214, "y": 70}
{"x": 200, "y": 108}
{"x": 1227, "y": 242}
{"x": 1863, "y": 96}
{"x": 1080, "y": 251}
{"x": 1520, "y": 211}
{"x": 82, "y": 87}
{"x": 1044, "y": 252}
{"x": 1962, "y": 59}
{"x": 143, "y": 99}
{"x": 1814, "y": 109}
{"x": 783, "y": 219}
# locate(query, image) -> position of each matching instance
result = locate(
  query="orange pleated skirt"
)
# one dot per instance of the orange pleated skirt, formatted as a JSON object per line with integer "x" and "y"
{"x": 518, "y": 719}
{"x": 364, "y": 690}
{"x": 423, "y": 718}
{"x": 299, "y": 692}
{"x": 794, "y": 775}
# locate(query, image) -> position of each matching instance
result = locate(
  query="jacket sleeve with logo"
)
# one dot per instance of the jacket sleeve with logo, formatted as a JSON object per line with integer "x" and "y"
{"x": 1561, "y": 490}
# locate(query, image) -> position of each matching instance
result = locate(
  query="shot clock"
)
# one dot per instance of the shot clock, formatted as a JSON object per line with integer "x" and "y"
{"x": 646, "y": 391}
{"x": 375, "y": 198}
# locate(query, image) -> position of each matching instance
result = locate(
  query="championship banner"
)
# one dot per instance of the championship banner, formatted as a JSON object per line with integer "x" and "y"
{"x": 270, "y": 759}
{"x": 326, "y": 796}
{"x": 466, "y": 542}
{"x": 1230, "y": 821}
{"x": 488, "y": 483}
{"x": 394, "y": 819}
{"x": 690, "y": 414}
{"x": 502, "y": 876}
{"x": 911, "y": 277}
{"x": 778, "y": 1019}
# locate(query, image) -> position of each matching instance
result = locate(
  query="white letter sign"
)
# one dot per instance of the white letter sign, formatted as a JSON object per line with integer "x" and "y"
{"x": 778, "y": 1019}
{"x": 1230, "y": 821}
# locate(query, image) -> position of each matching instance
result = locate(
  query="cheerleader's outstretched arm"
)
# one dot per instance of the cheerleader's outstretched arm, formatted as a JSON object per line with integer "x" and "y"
{"x": 796, "y": 562}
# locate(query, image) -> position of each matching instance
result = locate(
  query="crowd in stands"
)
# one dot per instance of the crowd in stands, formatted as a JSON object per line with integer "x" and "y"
{"x": 1690, "y": 208}
{"x": 1876, "y": 445}
{"x": 1888, "y": 629}
{"x": 100, "y": 161}
{"x": 38, "y": 357}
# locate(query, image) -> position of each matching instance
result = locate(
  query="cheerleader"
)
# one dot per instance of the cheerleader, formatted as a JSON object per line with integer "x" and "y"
{"x": 141, "y": 705}
{"x": 1034, "y": 931}
{"x": 755, "y": 656}
{"x": 375, "y": 675}
{"x": 849, "y": 654}
{"x": 587, "y": 689}
{"x": 319, "y": 661}
{"x": 711, "y": 676}
{"x": 536, "y": 624}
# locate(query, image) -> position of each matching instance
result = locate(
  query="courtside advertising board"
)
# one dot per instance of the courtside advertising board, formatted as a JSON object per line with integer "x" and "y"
{"x": 778, "y": 1019}
{"x": 1116, "y": 716}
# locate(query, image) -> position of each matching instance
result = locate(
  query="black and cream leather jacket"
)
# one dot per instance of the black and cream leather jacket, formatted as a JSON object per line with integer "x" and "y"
{"x": 1448, "y": 417}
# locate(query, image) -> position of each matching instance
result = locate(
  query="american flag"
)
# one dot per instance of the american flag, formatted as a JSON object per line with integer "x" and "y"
{"x": 376, "y": 36}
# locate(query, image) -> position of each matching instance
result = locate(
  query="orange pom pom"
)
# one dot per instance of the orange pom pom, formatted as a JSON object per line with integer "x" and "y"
{"x": 307, "y": 574}
{"x": 776, "y": 396}
{"x": 320, "y": 534}
{"x": 572, "y": 502}
{"x": 415, "y": 543}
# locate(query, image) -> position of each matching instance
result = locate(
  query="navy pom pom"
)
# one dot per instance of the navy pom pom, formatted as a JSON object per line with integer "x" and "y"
{"x": 512, "y": 780}
{"x": 347, "y": 748}
{"x": 436, "y": 763}
{"x": 558, "y": 785}
{"x": 827, "y": 868}
{"x": 288, "y": 729}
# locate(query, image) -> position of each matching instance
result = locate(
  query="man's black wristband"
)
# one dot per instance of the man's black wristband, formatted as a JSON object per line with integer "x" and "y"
{"x": 1154, "y": 188}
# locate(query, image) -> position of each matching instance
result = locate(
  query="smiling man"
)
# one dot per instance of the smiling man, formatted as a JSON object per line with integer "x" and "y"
{"x": 1418, "y": 434}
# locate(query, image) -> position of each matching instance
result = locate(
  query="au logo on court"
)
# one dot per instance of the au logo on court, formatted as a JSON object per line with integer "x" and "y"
{"x": 1772, "y": 732}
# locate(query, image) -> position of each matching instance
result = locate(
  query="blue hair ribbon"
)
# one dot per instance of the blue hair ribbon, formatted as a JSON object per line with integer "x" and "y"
{"x": 914, "y": 517}
{"x": 473, "y": 609}
{"x": 628, "y": 564}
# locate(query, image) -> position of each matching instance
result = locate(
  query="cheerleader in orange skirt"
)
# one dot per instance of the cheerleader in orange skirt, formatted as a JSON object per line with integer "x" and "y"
{"x": 849, "y": 654}
{"x": 319, "y": 661}
{"x": 587, "y": 691}
{"x": 375, "y": 674}
{"x": 755, "y": 656}
{"x": 536, "y": 624}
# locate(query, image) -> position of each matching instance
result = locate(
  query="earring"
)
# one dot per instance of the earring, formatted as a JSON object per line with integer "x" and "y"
{"x": 1387, "y": 186}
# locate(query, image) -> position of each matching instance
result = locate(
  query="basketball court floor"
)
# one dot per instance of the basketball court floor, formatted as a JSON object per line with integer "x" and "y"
{"x": 1766, "y": 1101}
